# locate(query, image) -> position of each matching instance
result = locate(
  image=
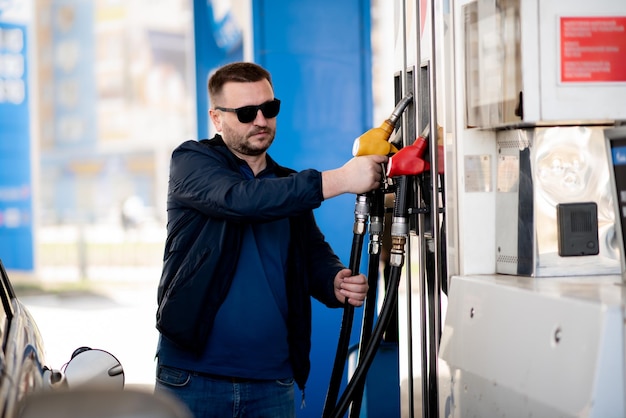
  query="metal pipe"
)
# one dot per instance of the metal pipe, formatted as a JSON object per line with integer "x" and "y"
{"x": 435, "y": 308}
{"x": 400, "y": 107}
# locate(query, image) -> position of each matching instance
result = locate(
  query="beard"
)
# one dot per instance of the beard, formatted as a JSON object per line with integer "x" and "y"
{"x": 243, "y": 144}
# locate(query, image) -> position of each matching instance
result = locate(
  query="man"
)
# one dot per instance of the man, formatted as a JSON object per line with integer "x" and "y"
{"x": 244, "y": 255}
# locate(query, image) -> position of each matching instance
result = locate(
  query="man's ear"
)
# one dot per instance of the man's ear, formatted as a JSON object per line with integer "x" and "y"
{"x": 216, "y": 118}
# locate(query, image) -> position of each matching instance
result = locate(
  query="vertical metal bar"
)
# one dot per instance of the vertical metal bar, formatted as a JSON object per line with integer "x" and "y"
{"x": 435, "y": 307}
{"x": 410, "y": 383}
{"x": 423, "y": 309}
{"x": 408, "y": 137}
{"x": 419, "y": 87}
{"x": 424, "y": 114}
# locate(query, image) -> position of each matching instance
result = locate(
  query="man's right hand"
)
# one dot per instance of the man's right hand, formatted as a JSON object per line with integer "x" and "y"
{"x": 359, "y": 175}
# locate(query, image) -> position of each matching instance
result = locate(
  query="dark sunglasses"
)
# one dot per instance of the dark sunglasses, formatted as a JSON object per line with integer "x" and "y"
{"x": 247, "y": 114}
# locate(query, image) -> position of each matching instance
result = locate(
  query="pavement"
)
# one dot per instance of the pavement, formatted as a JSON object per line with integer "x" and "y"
{"x": 114, "y": 316}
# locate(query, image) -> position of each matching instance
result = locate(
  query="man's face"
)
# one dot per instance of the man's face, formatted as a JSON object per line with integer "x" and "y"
{"x": 253, "y": 138}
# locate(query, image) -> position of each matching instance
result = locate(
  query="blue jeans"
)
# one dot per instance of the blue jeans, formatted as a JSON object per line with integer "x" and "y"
{"x": 208, "y": 397}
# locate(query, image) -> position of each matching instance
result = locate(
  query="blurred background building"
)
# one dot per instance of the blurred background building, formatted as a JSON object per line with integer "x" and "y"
{"x": 115, "y": 95}
{"x": 108, "y": 91}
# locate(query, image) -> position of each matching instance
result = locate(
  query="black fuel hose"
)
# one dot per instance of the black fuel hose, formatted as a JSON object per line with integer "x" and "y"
{"x": 361, "y": 212}
{"x": 377, "y": 217}
{"x": 399, "y": 233}
{"x": 366, "y": 333}
{"x": 361, "y": 370}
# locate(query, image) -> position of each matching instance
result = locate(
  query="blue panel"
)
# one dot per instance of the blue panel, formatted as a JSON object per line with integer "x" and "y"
{"x": 318, "y": 53}
{"x": 16, "y": 226}
{"x": 382, "y": 390}
{"x": 217, "y": 42}
{"x": 381, "y": 396}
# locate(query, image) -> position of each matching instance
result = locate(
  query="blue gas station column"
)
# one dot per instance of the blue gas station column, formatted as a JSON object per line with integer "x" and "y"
{"x": 318, "y": 52}
{"x": 218, "y": 41}
{"x": 16, "y": 214}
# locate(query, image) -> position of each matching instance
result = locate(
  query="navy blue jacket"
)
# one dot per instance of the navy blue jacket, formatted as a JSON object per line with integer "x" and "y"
{"x": 208, "y": 202}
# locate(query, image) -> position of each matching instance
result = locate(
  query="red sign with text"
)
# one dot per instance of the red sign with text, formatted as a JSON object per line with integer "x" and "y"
{"x": 593, "y": 49}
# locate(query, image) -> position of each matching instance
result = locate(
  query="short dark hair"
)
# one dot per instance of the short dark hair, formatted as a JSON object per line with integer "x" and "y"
{"x": 239, "y": 72}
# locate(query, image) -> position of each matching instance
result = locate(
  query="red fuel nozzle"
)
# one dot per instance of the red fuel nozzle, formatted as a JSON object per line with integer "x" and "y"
{"x": 408, "y": 161}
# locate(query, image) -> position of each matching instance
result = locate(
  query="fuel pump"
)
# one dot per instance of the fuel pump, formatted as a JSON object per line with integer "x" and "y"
{"x": 372, "y": 142}
{"x": 522, "y": 91}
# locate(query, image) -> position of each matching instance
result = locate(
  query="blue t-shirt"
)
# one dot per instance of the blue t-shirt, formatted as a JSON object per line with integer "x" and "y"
{"x": 249, "y": 335}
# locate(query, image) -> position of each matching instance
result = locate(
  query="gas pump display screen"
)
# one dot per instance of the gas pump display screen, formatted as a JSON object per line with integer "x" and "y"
{"x": 616, "y": 141}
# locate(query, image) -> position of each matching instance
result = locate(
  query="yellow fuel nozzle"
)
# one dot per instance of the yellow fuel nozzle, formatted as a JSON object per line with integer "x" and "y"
{"x": 375, "y": 141}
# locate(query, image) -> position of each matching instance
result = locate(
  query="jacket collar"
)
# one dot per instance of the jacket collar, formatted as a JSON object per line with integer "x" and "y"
{"x": 278, "y": 170}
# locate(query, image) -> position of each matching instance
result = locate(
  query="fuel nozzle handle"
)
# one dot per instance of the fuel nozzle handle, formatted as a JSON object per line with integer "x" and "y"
{"x": 375, "y": 141}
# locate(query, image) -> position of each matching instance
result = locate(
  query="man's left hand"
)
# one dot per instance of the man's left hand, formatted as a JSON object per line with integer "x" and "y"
{"x": 351, "y": 289}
